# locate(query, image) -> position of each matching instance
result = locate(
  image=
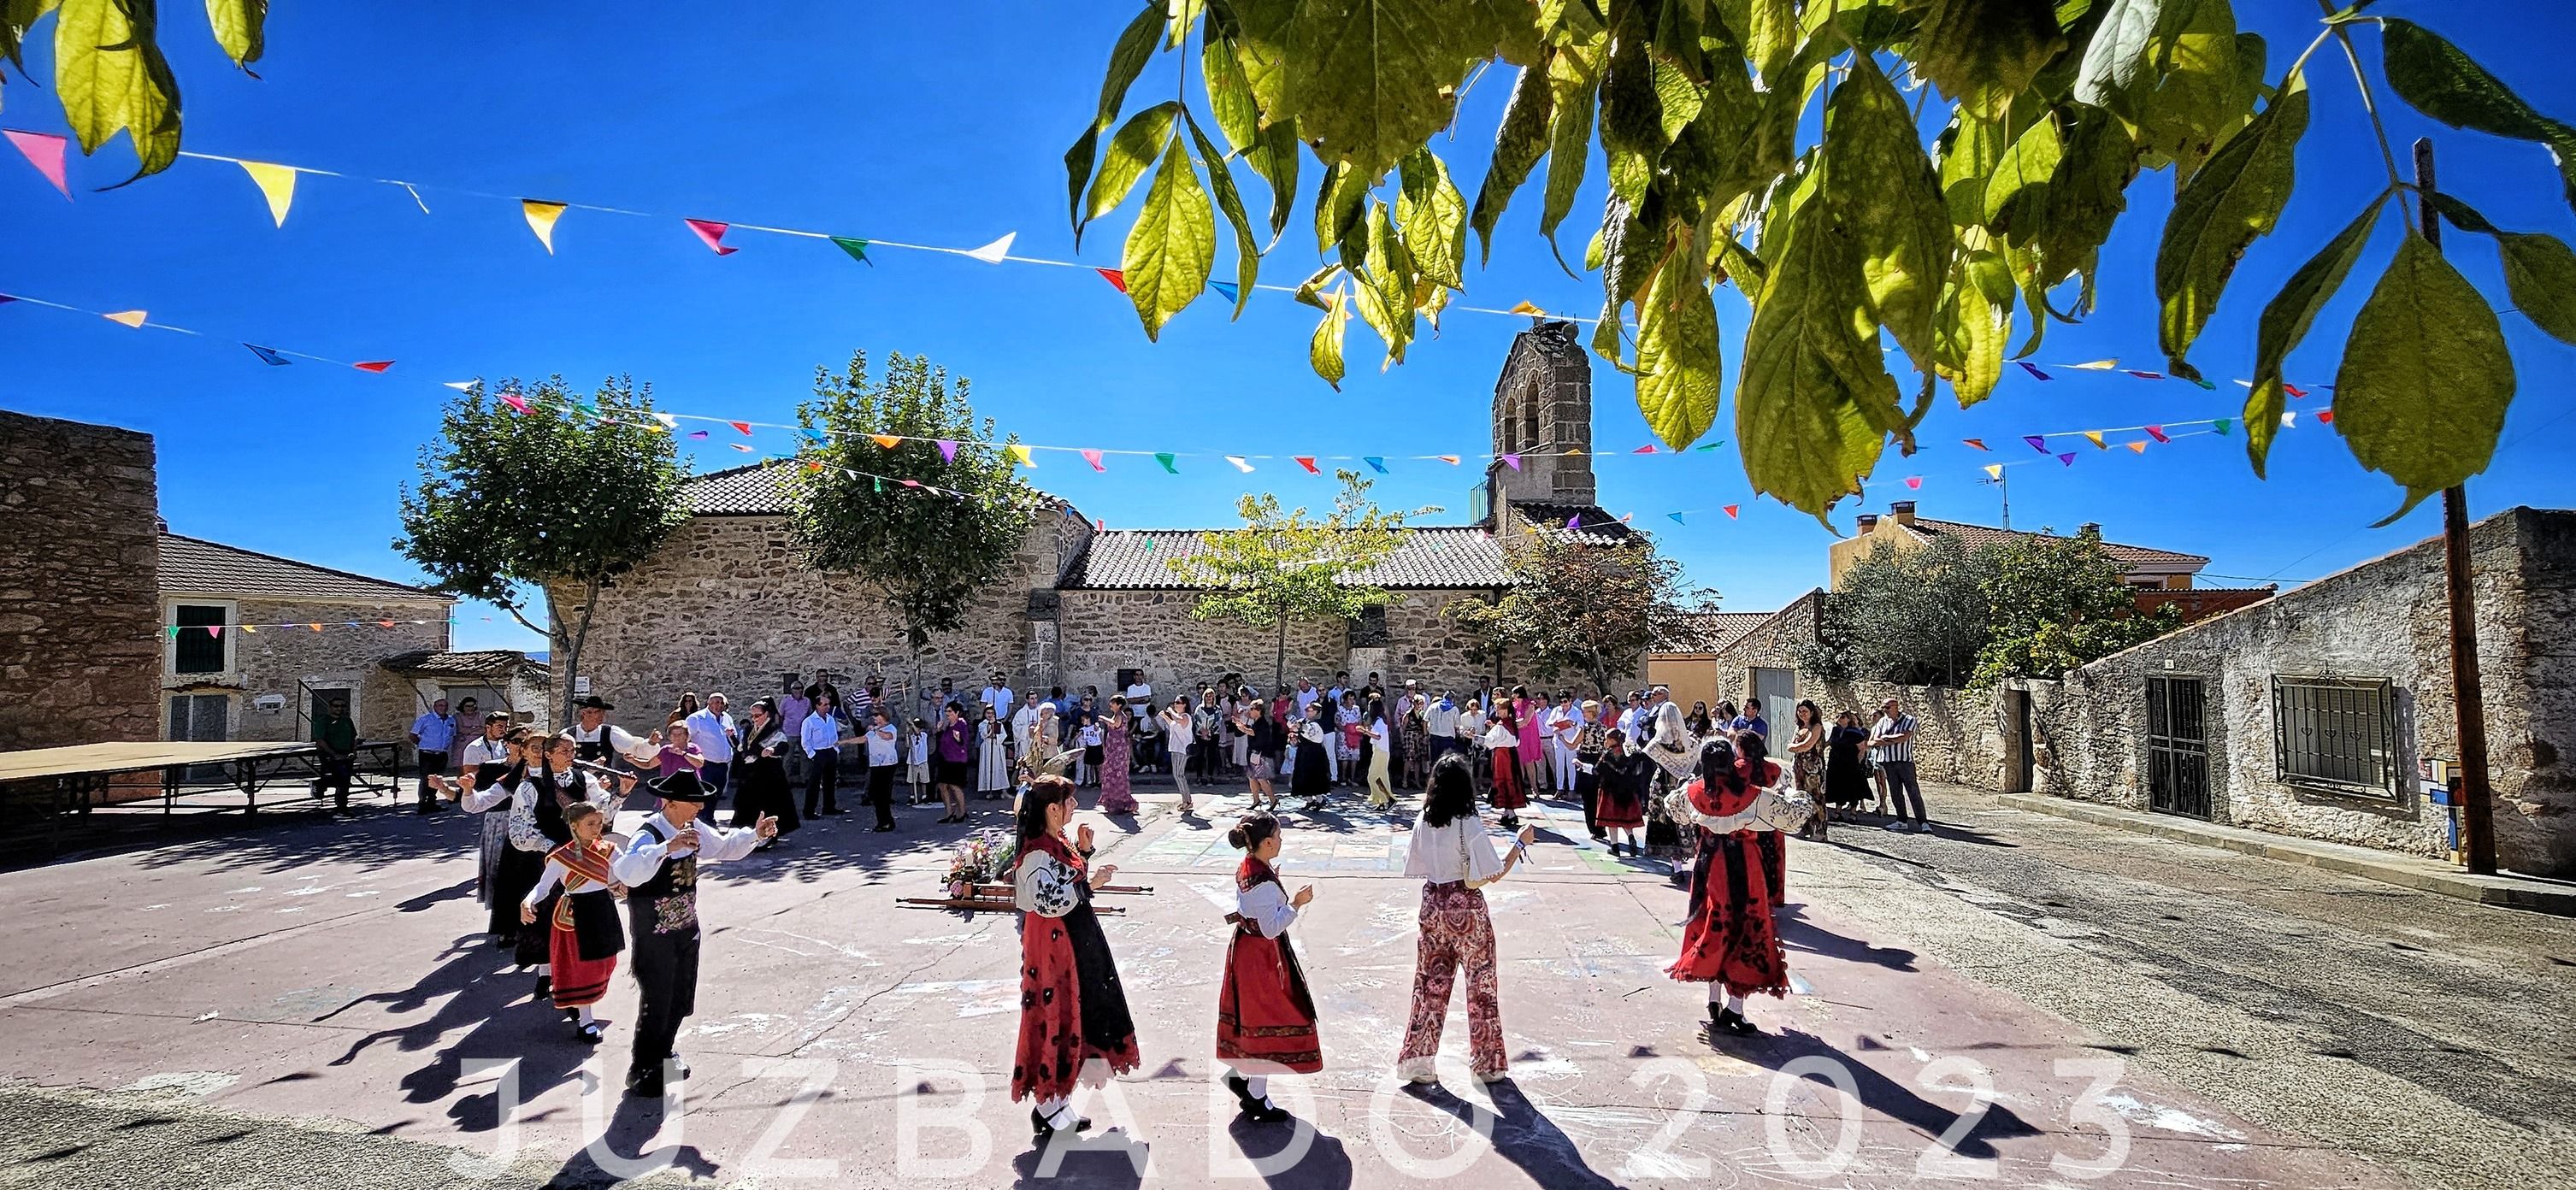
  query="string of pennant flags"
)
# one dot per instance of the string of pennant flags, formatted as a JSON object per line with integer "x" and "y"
{"x": 216, "y": 631}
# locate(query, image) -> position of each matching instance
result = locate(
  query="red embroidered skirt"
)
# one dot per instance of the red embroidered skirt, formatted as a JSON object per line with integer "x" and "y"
{"x": 1619, "y": 805}
{"x": 1508, "y": 794}
{"x": 577, "y": 981}
{"x": 1055, "y": 1048}
{"x": 1730, "y": 939}
{"x": 1264, "y": 1012}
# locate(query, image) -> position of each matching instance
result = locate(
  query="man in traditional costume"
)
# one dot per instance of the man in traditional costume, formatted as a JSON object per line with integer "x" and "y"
{"x": 659, "y": 868}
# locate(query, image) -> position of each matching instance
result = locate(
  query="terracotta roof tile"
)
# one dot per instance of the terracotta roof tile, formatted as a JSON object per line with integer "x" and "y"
{"x": 1448, "y": 556}
{"x": 1704, "y": 632}
{"x": 193, "y": 566}
{"x": 1981, "y": 535}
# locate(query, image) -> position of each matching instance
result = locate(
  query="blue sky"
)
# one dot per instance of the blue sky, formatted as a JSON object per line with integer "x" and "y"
{"x": 945, "y": 124}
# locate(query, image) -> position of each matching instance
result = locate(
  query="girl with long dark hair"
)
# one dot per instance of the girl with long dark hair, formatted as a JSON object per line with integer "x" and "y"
{"x": 1074, "y": 1024}
{"x": 1730, "y": 943}
{"x": 1265, "y": 1017}
{"x": 1380, "y": 748}
{"x": 1453, "y": 856}
{"x": 1503, "y": 744}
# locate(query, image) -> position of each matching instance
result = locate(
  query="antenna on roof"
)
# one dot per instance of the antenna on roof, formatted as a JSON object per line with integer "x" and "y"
{"x": 2003, "y": 483}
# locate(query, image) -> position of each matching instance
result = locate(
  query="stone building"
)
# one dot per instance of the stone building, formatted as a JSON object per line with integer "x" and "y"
{"x": 2316, "y": 713}
{"x": 79, "y": 623}
{"x": 256, "y": 645}
{"x": 727, "y": 606}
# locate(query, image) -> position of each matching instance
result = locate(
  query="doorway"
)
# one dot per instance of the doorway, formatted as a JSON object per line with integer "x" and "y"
{"x": 2177, "y": 748}
{"x": 2021, "y": 754}
{"x": 1777, "y": 691}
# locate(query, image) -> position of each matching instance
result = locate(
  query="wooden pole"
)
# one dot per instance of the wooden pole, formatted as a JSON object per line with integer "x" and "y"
{"x": 2468, "y": 693}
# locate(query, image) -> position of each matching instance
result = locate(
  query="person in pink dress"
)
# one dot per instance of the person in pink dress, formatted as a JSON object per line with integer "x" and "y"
{"x": 1530, "y": 717}
{"x": 1116, "y": 745}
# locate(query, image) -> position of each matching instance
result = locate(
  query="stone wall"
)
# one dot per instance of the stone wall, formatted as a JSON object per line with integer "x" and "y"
{"x": 1105, "y": 631}
{"x": 79, "y": 558}
{"x": 286, "y": 662}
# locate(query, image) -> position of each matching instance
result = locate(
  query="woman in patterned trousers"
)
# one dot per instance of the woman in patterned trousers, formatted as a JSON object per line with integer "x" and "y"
{"x": 1454, "y": 857}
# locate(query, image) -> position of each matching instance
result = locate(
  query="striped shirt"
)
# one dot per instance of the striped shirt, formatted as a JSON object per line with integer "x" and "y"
{"x": 1883, "y": 749}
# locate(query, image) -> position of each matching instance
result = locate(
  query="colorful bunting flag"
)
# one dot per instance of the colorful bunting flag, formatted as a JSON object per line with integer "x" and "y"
{"x": 1376, "y": 463}
{"x": 1100, "y": 524}
{"x": 217, "y": 630}
{"x": 1994, "y": 471}
{"x": 740, "y": 447}
{"x": 315, "y": 627}
{"x": 131, "y": 318}
{"x": 1167, "y": 459}
{"x": 276, "y": 184}
{"x": 2290, "y": 419}
{"x": 2206, "y": 384}
{"x": 1713, "y": 444}
{"x": 1093, "y": 457}
{"x": 668, "y": 422}
{"x": 1677, "y": 518}
{"x": 268, "y": 356}
{"x": 815, "y": 465}
{"x": 1914, "y": 481}
{"x": 254, "y": 627}
{"x": 541, "y": 220}
{"x": 2220, "y": 426}
{"x": 2036, "y": 442}
{"x": 462, "y": 386}
{"x": 520, "y": 403}
{"x": 2137, "y": 446}
{"x": 43, "y": 150}
{"x": 1308, "y": 462}
{"x": 1978, "y": 443}
{"x": 1021, "y": 455}
{"x": 692, "y": 433}
{"x": 1452, "y": 460}
{"x": 743, "y": 426}
{"x": 2157, "y": 433}
{"x": 1526, "y": 307}
{"x": 2031, "y": 368}
{"x": 1239, "y": 464}
{"x": 2095, "y": 437}
{"x": 2099, "y": 365}
{"x": 888, "y": 441}
{"x": 1233, "y": 296}
{"x": 1116, "y": 278}
{"x": 995, "y": 252}
{"x": 1647, "y": 449}
{"x": 173, "y": 630}
{"x": 712, "y": 233}
{"x": 2294, "y": 390}
{"x": 2068, "y": 458}
{"x": 1575, "y": 521}
{"x": 2146, "y": 375}
{"x": 377, "y": 366}
{"x": 857, "y": 248}
{"x": 1512, "y": 461}
{"x": 1730, "y": 511}
{"x": 2325, "y": 417}
{"x": 947, "y": 450}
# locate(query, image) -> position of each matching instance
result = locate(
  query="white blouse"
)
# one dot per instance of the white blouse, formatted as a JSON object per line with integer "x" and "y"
{"x": 1780, "y": 808}
{"x": 1500, "y": 736}
{"x": 1461, "y": 850}
{"x": 1045, "y": 885}
{"x": 1266, "y": 906}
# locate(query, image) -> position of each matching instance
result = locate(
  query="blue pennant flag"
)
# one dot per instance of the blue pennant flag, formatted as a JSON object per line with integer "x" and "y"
{"x": 1375, "y": 463}
{"x": 1677, "y": 517}
{"x": 268, "y": 355}
{"x": 1226, "y": 290}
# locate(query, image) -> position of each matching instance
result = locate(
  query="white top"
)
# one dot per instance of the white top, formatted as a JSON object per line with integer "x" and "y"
{"x": 1377, "y": 732}
{"x": 1313, "y": 732}
{"x": 1091, "y": 735}
{"x": 1136, "y": 696}
{"x": 1045, "y": 885}
{"x": 1461, "y": 850}
{"x": 1306, "y": 698}
{"x": 1441, "y": 720}
{"x": 998, "y": 698}
{"x": 620, "y": 741}
{"x": 712, "y": 734}
{"x": 919, "y": 753}
{"x": 1266, "y": 906}
{"x": 821, "y": 733}
{"x": 1500, "y": 736}
{"x": 1022, "y": 721}
{"x": 881, "y": 742}
{"x": 480, "y": 751}
{"x": 643, "y": 855}
{"x": 554, "y": 877}
{"x": 1565, "y": 722}
{"x": 1774, "y": 808}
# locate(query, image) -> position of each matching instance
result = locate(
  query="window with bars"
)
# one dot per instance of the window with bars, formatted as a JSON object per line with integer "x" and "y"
{"x": 195, "y": 649}
{"x": 2335, "y": 733}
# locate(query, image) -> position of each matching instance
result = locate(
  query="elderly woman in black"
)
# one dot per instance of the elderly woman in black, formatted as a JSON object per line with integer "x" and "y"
{"x": 759, "y": 781}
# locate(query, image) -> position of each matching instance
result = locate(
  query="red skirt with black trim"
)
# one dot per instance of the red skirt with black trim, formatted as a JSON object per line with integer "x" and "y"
{"x": 1072, "y": 1009}
{"x": 1508, "y": 794}
{"x": 1264, "y": 1013}
{"x": 1730, "y": 939}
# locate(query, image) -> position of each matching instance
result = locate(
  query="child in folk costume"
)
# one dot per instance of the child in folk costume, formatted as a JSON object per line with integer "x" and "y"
{"x": 1265, "y": 1018}
{"x": 659, "y": 868}
{"x": 1503, "y": 744}
{"x": 1625, "y": 780}
{"x": 539, "y": 825}
{"x": 1074, "y": 1024}
{"x": 1454, "y": 858}
{"x": 583, "y": 932}
{"x": 1730, "y": 943}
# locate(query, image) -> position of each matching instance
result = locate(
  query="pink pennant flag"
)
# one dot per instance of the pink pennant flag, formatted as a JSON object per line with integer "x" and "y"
{"x": 384, "y": 623}
{"x": 1647, "y": 449}
{"x": 1093, "y": 457}
{"x": 2158, "y": 433}
{"x": 2294, "y": 390}
{"x": 1729, "y": 510}
{"x": 1308, "y": 462}
{"x": 376, "y": 366}
{"x": 215, "y": 630}
{"x": 45, "y": 152}
{"x": 1099, "y": 524}
{"x": 743, "y": 426}
{"x": 1914, "y": 481}
{"x": 2068, "y": 458}
{"x": 740, "y": 447}
{"x": 1512, "y": 461}
{"x": 520, "y": 403}
{"x": 713, "y": 233}
{"x": 910, "y": 483}
{"x": 1116, "y": 279}
{"x": 947, "y": 451}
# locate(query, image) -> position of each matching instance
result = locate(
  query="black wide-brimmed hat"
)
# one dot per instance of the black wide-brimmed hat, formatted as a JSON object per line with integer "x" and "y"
{"x": 593, "y": 703}
{"x": 681, "y": 786}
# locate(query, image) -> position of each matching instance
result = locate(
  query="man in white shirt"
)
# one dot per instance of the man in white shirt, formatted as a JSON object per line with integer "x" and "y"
{"x": 883, "y": 764}
{"x": 1563, "y": 722}
{"x": 713, "y": 734}
{"x": 602, "y": 743}
{"x": 998, "y": 696}
{"x": 1306, "y": 695}
{"x": 659, "y": 868}
{"x": 431, "y": 736}
{"x": 1024, "y": 721}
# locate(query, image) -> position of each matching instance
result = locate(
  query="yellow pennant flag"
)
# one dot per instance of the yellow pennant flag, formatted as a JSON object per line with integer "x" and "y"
{"x": 541, "y": 220}
{"x": 276, "y": 183}
{"x": 250, "y": 627}
{"x": 2138, "y": 447}
{"x": 887, "y": 441}
{"x": 1994, "y": 471}
{"x": 2099, "y": 365}
{"x": 132, "y": 318}
{"x": 2095, "y": 436}
{"x": 1527, "y": 308}
{"x": 1020, "y": 455}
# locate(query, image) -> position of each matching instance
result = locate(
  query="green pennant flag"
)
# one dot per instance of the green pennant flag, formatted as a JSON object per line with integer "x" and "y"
{"x": 1165, "y": 458}
{"x": 2222, "y": 424}
{"x": 879, "y": 481}
{"x": 858, "y": 249}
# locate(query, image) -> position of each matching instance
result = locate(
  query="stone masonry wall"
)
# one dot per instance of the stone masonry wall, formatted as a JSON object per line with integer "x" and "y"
{"x": 1104, "y": 631}
{"x": 287, "y": 661}
{"x": 79, "y": 558}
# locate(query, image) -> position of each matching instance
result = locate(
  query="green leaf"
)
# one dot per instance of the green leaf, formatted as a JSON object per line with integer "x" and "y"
{"x": 2234, "y": 198}
{"x": 2017, "y": 190}
{"x": 1984, "y": 52}
{"x": 1679, "y": 372}
{"x": 1518, "y": 145}
{"x": 1574, "y": 78}
{"x": 1975, "y": 327}
{"x": 1126, "y": 61}
{"x": 111, "y": 77}
{"x": 1340, "y": 200}
{"x": 1173, "y": 244}
{"x": 2200, "y": 97}
{"x": 1324, "y": 351}
{"x": 2425, "y": 381}
{"x": 1247, "y": 248}
{"x": 1813, "y": 393}
{"x": 1434, "y": 217}
{"x": 2116, "y": 59}
{"x": 1138, "y": 141}
{"x": 1262, "y": 32}
{"x": 1385, "y": 293}
{"x": 1184, "y": 14}
{"x": 2085, "y": 196}
{"x": 2286, "y": 320}
{"x": 1970, "y": 154}
{"x": 1882, "y": 186}
{"x": 2434, "y": 77}
{"x": 1770, "y": 38}
{"x": 239, "y": 27}
{"x": 1276, "y": 159}
{"x": 1376, "y": 78}
{"x": 2539, "y": 271}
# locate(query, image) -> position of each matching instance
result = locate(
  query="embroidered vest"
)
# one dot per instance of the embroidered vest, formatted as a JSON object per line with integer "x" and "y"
{"x": 667, "y": 903}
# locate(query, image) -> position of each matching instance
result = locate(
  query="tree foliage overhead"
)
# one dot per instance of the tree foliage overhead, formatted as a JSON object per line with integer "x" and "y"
{"x": 1957, "y": 230}
{"x": 2058, "y": 603}
{"x": 1284, "y": 565}
{"x": 1582, "y": 606}
{"x": 546, "y": 505}
{"x": 109, "y": 72}
{"x": 851, "y": 511}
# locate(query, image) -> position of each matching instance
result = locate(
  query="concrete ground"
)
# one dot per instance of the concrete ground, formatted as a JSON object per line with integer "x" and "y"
{"x": 2016, "y": 997}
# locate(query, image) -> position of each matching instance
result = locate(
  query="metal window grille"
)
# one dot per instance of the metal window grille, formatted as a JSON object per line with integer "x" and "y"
{"x": 2337, "y": 733}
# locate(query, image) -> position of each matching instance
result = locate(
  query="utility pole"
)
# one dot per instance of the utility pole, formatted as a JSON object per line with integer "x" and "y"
{"x": 2468, "y": 693}
{"x": 2003, "y": 484}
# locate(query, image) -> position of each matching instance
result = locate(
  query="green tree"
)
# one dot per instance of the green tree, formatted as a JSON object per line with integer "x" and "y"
{"x": 1283, "y": 566}
{"x": 1917, "y": 617}
{"x": 1783, "y": 120}
{"x": 109, "y": 72}
{"x": 1580, "y": 604}
{"x": 547, "y": 503}
{"x": 2058, "y": 603}
{"x": 925, "y": 517}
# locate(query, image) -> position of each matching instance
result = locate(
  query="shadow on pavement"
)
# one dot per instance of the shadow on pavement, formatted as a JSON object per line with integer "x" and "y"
{"x": 1797, "y": 933}
{"x": 1881, "y": 1094}
{"x": 1325, "y": 1165}
{"x": 1523, "y": 1135}
{"x": 633, "y": 1123}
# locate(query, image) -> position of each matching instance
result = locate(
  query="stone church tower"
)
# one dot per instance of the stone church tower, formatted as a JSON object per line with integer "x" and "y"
{"x": 1542, "y": 418}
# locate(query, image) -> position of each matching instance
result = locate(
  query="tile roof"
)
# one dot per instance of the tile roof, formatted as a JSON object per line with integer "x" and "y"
{"x": 1703, "y": 632}
{"x": 476, "y": 662}
{"x": 749, "y": 490}
{"x": 1446, "y": 556}
{"x": 194, "y": 566}
{"x": 1981, "y": 535}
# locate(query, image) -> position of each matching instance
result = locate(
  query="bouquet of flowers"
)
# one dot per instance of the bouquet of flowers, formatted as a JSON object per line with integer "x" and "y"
{"x": 983, "y": 857}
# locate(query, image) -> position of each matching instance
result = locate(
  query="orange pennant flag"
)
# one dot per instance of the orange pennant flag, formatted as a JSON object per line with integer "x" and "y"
{"x": 315, "y": 627}
{"x": 887, "y": 441}
{"x": 1452, "y": 460}
{"x": 1527, "y": 308}
{"x": 1979, "y": 443}
{"x": 2137, "y": 447}
{"x": 132, "y": 318}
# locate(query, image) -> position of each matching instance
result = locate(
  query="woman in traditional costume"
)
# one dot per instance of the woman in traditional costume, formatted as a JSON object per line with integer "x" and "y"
{"x": 1116, "y": 757}
{"x": 545, "y": 799}
{"x": 1312, "y": 774}
{"x": 1625, "y": 780}
{"x": 1454, "y": 858}
{"x": 1730, "y": 943}
{"x": 1503, "y": 743}
{"x": 584, "y": 936}
{"x": 759, "y": 782}
{"x": 1074, "y": 1025}
{"x": 1674, "y": 749}
{"x": 493, "y": 767}
{"x": 1265, "y": 1018}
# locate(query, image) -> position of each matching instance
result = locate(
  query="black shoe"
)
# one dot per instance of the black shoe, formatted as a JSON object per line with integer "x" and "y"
{"x": 1722, "y": 1019}
{"x": 593, "y": 1031}
{"x": 644, "y": 1085}
{"x": 678, "y": 1065}
{"x": 545, "y": 987}
{"x": 1041, "y": 1131}
{"x": 1242, "y": 1089}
